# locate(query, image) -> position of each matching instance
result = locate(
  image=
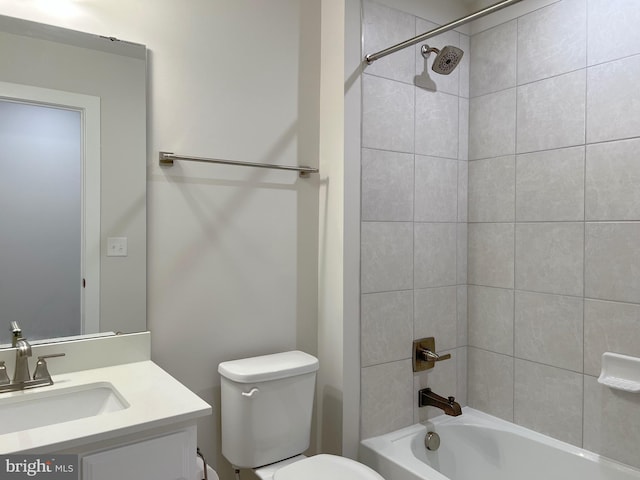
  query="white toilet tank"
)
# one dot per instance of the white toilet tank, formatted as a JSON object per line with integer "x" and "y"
{"x": 266, "y": 405}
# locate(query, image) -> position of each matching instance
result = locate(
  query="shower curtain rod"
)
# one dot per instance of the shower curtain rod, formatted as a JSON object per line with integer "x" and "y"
{"x": 167, "y": 158}
{"x": 372, "y": 57}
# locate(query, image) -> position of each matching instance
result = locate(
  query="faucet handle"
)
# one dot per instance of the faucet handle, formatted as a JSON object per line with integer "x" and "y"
{"x": 429, "y": 356}
{"x": 4, "y": 376}
{"x": 424, "y": 354}
{"x": 42, "y": 372}
{"x": 16, "y": 333}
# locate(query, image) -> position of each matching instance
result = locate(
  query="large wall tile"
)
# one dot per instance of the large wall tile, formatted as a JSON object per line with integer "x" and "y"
{"x": 462, "y": 253}
{"x": 492, "y": 123}
{"x": 493, "y": 59}
{"x": 462, "y": 367}
{"x": 491, "y": 319}
{"x": 435, "y": 316}
{"x": 539, "y": 387}
{"x": 436, "y": 124}
{"x": 613, "y": 30}
{"x": 612, "y": 261}
{"x": 551, "y": 113}
{"x": 465, "y": 66}
{"x": 382, "y": 27}
{"x": 492, "y": 190}
{"x": 434, "y": 254}
{"x": 386, "y": 327}
{"x": 387, "y": 114}
{"x": 490, "y": 384}
{"x": 441, "y": 83}
{"x": 491, "y": 254}
{"x": 549, "y": 257}
{"x": 552, "y": 41}
{"x": 550, "y": 185}
{"x": 386, "y": 256}
{"x": 609, "y": 327}
{"x": 387, "y": 185}
{"x": 463, "y": 129}
{"x": 612, "y": 179}
{"x": 436, "y": 189}
{"x": 549, "y": 329}
{"x": 463, "y": 191}
{"x": 613, "y": 100}
{"x": 611, "y": 420}
{"x": 463, "y": 316}
{"x": 387, "y": 398}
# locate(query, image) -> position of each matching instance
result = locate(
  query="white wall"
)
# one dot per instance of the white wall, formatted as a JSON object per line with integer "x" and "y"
{"x": 352, "y": 139}
{"x": 331, "y": 258}
{"x": 232, "y": 252}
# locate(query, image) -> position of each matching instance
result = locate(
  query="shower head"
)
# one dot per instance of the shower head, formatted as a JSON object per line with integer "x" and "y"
{"x": 446, "y": 59}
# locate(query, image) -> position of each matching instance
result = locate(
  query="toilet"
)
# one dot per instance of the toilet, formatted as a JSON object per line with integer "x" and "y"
{"x": 266, "y": 405}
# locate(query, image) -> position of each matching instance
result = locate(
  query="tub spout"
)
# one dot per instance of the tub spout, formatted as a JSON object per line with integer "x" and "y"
{"x": 427, "y": 398}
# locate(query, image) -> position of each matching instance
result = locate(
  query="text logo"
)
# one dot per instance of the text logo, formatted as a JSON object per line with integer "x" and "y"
{"x": 49, "y": 467}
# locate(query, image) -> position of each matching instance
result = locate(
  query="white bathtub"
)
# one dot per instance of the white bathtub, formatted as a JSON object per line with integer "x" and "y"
{"x": 477, "y": 446}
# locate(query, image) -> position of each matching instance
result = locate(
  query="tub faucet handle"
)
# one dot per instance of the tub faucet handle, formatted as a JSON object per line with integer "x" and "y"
{"x": 429, "y": 356}
{"x": 424, "y": 354}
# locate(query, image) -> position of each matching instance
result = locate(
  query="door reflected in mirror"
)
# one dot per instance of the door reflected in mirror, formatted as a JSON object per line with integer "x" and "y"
{"x": 50, "y": 158}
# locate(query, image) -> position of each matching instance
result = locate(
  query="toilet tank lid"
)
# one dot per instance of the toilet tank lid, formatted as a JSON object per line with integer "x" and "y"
{"x": 268, "y": 367}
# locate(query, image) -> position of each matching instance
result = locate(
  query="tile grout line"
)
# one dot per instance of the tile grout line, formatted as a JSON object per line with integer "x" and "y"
{"x": 515, "y": 243}
{"x": 584, "y": 204}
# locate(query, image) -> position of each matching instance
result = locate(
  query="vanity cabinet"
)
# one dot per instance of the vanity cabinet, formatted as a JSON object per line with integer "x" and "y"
{"x": 152, "y": 435}
{"x": 167, "y": 457}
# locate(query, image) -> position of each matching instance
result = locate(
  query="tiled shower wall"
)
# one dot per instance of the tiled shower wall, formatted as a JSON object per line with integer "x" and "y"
{"x": 554, "y": 220}
{"x": 414, "y": 214}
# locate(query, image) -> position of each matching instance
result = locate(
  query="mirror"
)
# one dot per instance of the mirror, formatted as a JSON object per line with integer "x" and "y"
{"x": 99, "y": 283}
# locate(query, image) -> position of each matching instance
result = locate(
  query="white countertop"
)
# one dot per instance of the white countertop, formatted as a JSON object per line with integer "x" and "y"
{"x": 155, "y": 400}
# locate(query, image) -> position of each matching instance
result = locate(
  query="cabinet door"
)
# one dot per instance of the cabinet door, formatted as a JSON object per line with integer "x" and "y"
{"x": 163, "y": 458}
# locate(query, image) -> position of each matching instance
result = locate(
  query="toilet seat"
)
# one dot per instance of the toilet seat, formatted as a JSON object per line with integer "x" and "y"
{"x": 326, "y": 467}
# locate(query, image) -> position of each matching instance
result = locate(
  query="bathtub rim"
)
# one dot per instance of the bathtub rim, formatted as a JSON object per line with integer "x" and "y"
{"x": 387, "y": 445}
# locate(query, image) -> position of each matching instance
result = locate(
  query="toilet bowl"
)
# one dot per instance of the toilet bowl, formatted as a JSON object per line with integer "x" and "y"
{"x": 317, "y": 467}
{"x": 266, "y": 405}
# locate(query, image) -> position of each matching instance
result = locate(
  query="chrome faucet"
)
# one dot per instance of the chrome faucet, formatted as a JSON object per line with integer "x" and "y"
{"x": 23, "y": 352}
{"x": 21, "y": 378}
{"x": 427, "y": 398}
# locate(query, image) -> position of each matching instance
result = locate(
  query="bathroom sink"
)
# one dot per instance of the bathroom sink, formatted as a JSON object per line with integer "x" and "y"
{"x": 32, "y": 409}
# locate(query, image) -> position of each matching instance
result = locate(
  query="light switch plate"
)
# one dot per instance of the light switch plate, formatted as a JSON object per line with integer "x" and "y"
{"x": 116, "y": 246}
